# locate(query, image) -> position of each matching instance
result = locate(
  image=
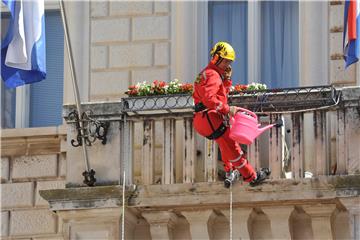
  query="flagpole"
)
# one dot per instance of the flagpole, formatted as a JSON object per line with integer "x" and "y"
{"x": 74, "y": 83}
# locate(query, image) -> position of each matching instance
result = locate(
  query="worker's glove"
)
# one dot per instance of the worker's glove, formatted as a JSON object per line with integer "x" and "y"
{"x": 233, "y": 110}
{"x": 228, "y": 72}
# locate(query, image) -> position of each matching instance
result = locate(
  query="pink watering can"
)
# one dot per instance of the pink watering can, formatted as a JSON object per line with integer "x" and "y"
{"x": 245, "y": 127}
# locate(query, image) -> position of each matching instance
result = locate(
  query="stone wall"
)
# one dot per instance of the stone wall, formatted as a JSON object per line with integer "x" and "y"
{"x": 338, "y": 74}
{"x": 30, "y": 163}
{"x": 130, "y": 43}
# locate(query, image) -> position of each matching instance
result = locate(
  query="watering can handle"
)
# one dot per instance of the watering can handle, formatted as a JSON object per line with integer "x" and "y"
{"x": 248, "y": 112}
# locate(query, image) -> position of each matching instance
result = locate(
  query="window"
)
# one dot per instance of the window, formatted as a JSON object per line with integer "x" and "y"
{"x": 228, "y": 22}
{"x": 38, "y": 104}
{"x": 7, "y": 107}
{"x": 273, "y": 47}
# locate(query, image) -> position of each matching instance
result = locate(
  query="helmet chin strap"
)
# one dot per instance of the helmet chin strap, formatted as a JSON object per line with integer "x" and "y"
{"x": 216, "y": 60}
{"x": 219, "y": 61}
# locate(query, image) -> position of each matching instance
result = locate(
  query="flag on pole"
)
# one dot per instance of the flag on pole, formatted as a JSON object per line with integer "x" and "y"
{"x": 23, "y": 56}
{"x": 351, "y": 32}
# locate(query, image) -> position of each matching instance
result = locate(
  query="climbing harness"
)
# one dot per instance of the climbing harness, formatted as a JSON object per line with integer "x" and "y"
{"x": 200, "y": 107}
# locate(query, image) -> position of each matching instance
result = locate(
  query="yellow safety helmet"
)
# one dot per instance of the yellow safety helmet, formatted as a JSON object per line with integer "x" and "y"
{"x": 224, "y": 50}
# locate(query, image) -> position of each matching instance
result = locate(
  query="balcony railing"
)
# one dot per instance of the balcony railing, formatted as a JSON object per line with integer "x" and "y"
{"x": 158, "y": 144}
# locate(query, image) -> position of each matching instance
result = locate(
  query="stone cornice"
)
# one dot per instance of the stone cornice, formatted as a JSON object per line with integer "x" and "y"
{"x": 324, "y": 190}
{"x": 32, "y": 141}
{"x": 85, "y": 197}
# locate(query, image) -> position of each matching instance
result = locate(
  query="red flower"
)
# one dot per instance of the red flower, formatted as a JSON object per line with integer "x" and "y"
{"x": 240, "y": 87}
{"x": 186, "y": 88}
{"x": 158, "y": 87}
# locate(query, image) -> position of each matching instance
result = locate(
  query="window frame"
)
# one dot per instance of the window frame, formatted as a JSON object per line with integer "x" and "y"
{"x": 197, "y": 13}
{"x": 22, "y": 98}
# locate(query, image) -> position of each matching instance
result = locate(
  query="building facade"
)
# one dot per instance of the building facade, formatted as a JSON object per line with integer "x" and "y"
{"x": 173, "y": 190}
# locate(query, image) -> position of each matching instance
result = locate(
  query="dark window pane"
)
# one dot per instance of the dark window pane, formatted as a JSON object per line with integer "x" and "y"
{"x": 46, "y": 97}
{"x": 8, "y": 96}
{"x": 228, "y": 22}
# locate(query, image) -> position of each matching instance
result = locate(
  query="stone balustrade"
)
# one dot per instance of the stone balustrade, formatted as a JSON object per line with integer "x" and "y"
{"x": 173, "y": 179}
{"x": 306, "y": 209}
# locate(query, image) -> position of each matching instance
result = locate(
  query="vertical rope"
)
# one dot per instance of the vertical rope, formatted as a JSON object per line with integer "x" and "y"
{"x": 230, "y": 220}
{"x": 123, "y": 210}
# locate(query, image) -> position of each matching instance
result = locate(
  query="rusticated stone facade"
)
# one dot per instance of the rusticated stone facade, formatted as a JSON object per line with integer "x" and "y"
{"x": 118, "y": 43}
{"x": 32, "y": 160}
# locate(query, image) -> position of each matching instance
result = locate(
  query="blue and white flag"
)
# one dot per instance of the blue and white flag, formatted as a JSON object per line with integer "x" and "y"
{"x": 23, "y": 55}
{"x": 351, "y": 32}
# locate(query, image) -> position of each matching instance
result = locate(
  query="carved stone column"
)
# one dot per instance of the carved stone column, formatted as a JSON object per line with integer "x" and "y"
{"x": 279, "y": 220}
{"x": 353, "y": 207}
{"x": 320, "y": 219}
{"x": 198, "y": 222}
{"x": 240, "y": 217}
{"x": 161, "y": 224}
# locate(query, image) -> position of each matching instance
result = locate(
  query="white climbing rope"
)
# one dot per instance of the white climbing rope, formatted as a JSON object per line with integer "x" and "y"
{"x": 123, "y": 210}
{"x": 230, "y": 217}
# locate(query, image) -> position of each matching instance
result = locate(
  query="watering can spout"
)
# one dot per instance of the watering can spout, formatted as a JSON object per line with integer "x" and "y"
{"x": 277, "y": 124}
{"x": 261, "y": 130}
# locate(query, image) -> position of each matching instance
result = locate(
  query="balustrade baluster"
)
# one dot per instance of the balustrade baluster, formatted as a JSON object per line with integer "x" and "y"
{"x": 240, "y": 217}
{"x": 148, "y": 152}
{"x": 276, "y": 148}
{"x": 321, "y": 219}
{"x": 341, "y": 142}
{"x": 321, "y": 156}
{"x": 168, "y": 166}
{"x": 127, "y": 129}
{"x": 211, "y": 152}
{"x": 198, "y": 223}
{"x": 253, "y": 155}
{"x": 189, "y": 151}
{"x": 352, "y": 133}
{"x": 297, "y": 147}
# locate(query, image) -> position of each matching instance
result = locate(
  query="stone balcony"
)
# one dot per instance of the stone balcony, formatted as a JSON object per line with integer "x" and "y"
{"x": 173, "y": 187}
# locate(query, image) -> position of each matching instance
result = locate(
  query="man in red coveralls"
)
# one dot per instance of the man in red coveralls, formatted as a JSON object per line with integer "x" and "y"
{"x": 212, "y": 111}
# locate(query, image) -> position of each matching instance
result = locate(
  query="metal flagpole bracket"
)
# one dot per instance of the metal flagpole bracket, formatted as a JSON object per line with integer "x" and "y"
{"x": 82, "y": 119}
{"x": 89, "y": 130}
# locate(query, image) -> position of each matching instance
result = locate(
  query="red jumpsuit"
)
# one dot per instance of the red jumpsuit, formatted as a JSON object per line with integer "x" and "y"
{"x": 211, "y": 90}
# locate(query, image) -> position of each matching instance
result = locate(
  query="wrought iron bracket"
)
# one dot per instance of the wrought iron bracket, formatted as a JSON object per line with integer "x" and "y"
{"x": 89, "y": 130}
